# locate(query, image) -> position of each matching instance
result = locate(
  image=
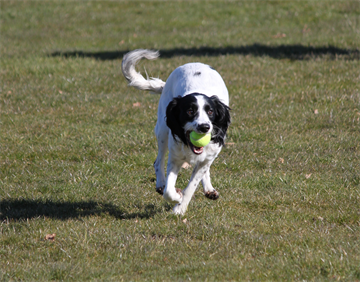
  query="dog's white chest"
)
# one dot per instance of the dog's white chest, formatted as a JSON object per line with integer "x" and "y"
{"x": 183, "y": 153}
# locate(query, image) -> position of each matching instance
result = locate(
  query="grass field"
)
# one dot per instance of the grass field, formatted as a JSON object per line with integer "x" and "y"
{"x": 77, "y": 145}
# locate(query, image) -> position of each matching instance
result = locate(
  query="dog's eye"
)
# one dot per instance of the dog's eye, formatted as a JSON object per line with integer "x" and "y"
{"x": 190, "y": 112}
{"x": 210, "y": 112}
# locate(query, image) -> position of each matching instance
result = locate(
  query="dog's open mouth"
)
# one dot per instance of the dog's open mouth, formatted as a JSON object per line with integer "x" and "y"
{"x": 194, "y": 149}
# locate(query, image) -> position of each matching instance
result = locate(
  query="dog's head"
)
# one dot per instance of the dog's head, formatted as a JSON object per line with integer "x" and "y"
{"x": 199, "y": 113}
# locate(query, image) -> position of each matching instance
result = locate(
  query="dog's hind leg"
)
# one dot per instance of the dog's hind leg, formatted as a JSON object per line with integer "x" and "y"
{"x": 159, "y": 164}
{"x": 209, "y": 190}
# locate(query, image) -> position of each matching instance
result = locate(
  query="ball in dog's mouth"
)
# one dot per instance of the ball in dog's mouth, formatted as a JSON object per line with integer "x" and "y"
{"x": 194, "y": 149}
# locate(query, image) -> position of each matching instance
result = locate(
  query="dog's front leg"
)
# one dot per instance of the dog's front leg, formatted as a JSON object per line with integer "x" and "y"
{"x": 171, "y": 194}
{"x": 209, "y": 190}
{"x": 198, "y": 173}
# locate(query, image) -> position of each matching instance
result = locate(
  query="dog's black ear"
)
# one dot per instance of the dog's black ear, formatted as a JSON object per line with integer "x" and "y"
{"x": 222, "y": 120}
{"x": 172, "y": 120}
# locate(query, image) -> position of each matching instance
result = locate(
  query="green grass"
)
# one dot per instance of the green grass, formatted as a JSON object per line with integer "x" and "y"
{"x": 76, "y": 155}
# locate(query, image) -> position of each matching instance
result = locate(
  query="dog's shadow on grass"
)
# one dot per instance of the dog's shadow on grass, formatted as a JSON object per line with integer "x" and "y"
{"x": 293, "y": 52}
{"x": 22, "y": 209}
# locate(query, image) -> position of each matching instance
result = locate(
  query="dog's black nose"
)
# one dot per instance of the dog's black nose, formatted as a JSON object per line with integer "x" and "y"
{"x": 203, "y": 127}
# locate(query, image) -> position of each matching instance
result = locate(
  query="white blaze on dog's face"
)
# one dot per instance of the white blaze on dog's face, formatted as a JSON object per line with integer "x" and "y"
{"x": 199, "y": 115}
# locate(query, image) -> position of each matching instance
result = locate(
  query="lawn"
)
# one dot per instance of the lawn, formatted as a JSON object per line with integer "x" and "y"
{"x": 77, "y": 145}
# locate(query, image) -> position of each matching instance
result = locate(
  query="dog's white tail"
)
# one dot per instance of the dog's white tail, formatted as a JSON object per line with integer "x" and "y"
{"x": 135, "y": 78}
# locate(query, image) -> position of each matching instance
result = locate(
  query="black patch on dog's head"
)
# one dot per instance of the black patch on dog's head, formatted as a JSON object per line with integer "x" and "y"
{"x": 198, "y": 73}
{"x": 182, "y": 110}
{"x": 221, "y": 121}
{"x": 178, "y": 114}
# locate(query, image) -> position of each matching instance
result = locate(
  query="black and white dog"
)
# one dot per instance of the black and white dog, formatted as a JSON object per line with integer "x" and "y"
{"x": 194, "y": 98}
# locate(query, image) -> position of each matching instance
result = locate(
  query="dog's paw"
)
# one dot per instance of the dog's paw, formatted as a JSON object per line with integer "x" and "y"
{"x": 160, "y": 190}
{"x": 214, "y": 195}
{"x": 179, "y": 209}
{"x": 172, "y": 197}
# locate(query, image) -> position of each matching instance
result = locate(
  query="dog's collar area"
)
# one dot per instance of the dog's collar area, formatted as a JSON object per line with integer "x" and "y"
{"x": 194, "y": 149}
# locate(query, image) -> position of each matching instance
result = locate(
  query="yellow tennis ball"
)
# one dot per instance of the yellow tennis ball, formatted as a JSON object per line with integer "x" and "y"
{"x": 200, "y": 139}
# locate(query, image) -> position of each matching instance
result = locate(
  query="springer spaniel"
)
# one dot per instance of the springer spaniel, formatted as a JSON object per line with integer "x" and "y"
{"x": 194, "y": 98}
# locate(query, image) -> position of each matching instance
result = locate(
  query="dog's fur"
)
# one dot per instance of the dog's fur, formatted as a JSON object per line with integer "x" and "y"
{"x": 194, "y": 98}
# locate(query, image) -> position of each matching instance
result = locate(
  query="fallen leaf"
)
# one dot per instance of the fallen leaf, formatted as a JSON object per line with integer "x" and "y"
{"x": 184, "y": 220}
{"x": 307, "y": 176}
{"x": 229, "y": 143}
{"x": 279, "y": 35}
{"x": 137, "y": 104}
{"x": 60, "y": 92}
{"x": 185, "y": 165}
{"x": 305, "y": 29}
{"x": 281, "y": 160}
{"x": 50, "y": 237}
{"x": 321, "y": 218}
{"x": 316, "y": 111}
